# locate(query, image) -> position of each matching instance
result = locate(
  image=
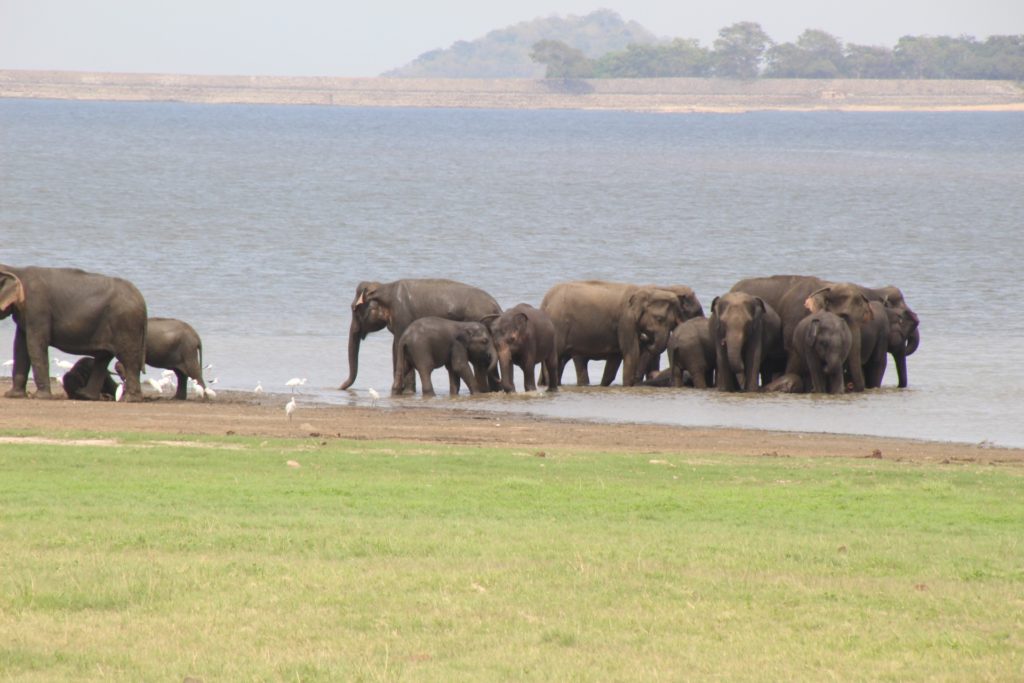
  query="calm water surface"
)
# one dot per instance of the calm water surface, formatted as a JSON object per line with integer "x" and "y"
{"x": 255, "y": 223}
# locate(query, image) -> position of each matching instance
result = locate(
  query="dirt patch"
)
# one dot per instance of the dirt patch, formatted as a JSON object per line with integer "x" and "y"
{"x": 239, "y": 413}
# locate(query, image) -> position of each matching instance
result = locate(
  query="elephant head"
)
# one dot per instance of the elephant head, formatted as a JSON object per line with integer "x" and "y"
{"x": 478, "y": 343}
{"x": 689, "y": 304}
{"x": 652, "y": 315}
{"x": 12, "y": 293}
{"x": 738, "y": 327}
{"x": 509, "y": 333}
{"x": 370, "y": 313}
{"x": 904, "y": 336}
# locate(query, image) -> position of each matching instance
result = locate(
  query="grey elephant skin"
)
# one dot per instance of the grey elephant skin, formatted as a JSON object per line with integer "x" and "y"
{"x": 904, "y": 327}
{"x": 175, "y": 345}
{"x": 78, "y": 376}
{"x": 747, "y": 334}
{"x": 649, "y": 362}
{"x": 85, "y": 314}
{"x": 396, "y": 305}
{"x": 611, "y": 320}
{"x": 691, "y": 350}
{"x": 794, "y": 297}
{"x": 466, "y": 349}
{"x": 823, "y": 341}
{"x": 525, "y": 336}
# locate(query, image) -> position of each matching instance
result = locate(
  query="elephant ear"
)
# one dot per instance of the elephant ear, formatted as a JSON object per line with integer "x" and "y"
{"x": 818, "y": 301}
{"x": 714, "y": 306}
{"x": 364, "y": 290}
{"x": 12, "y": 292}
{"x": 869, "y": 314}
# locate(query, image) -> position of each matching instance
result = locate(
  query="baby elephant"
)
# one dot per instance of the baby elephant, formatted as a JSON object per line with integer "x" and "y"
{"x": 525, "y": 336}
{"x": 823, "y": 341}
{"x": 461, "y": 347}
{"x": 690, "y": 348}
{"x": 174, "y": 345}
{"x": 78, "y": 376}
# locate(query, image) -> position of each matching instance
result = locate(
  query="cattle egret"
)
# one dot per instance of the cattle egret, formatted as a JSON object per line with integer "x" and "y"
{"x": 373, "y": 396}
{"x": 156, "y": 385}
{"x": 209, "y": 393}
{"x": 289, "y": 407}
{"x": 63, "y": 364}
{"x": 295, "y": 382}
{"x": 259, "y": 388}
{"x": 8, "y": 363}
{"x": 119, "y": 392}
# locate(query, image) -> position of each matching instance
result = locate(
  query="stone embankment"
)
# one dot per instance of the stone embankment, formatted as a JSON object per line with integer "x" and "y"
{"x": 627, "y": 94}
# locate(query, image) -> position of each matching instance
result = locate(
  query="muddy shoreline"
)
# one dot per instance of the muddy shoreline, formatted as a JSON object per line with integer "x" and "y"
{"x": 668, "y": 95}
{"x": 246, "y": 414}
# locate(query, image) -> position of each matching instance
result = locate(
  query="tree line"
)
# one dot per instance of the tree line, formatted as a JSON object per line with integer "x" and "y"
{"x": 744, "y": 50}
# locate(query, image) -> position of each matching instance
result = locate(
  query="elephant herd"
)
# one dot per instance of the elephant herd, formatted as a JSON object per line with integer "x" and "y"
{"x": 781, "y": 333}
{"x": 96, "y": 316}
{"x": 787, "y": 333}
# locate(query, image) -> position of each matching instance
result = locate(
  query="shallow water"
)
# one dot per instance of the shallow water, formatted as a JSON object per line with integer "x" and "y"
{"x": 255, "y": 223}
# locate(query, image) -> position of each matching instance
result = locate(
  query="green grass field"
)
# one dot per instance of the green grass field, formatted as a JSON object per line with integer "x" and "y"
{"x": 380, "y": 561}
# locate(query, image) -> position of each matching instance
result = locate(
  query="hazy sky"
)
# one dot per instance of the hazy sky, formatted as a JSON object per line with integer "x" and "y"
{"x": 348, "y": 38}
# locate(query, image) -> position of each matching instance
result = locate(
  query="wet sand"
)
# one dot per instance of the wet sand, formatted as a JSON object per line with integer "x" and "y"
{"x": 242, "y": 413}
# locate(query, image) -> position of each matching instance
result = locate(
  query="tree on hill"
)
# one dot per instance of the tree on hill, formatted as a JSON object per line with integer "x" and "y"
{"x": 506, "y": 53}
{"x": 815, "y": 54}
{"x": 740, "y": 49}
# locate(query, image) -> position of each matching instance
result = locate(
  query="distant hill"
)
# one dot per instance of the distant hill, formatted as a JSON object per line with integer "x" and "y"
{"x": 505, "y": 53}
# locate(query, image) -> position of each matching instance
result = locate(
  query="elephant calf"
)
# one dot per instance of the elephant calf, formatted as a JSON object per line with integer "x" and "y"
{"x": 525, "y": 336}
{"x": 690, "y": 348}
{"x": 174, "y": 345}
{"x": 823, "y": 342}
{"x": 75, "y": 380}
{"x": 466, "y": 349}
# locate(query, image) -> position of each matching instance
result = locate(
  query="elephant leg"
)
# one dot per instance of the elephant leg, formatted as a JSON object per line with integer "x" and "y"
{"x": 726, "y": 377}
{"x": 529, "y": 372}
{"x": 550, "y": 366}
{"x": 19, "y": 374}
{"x": 181, "y": 393}
{"x": 463, "y": 371}
{"x": 582, "y": 372}
{"x": 699, "y": 376}
{"x": 856, "y": 369}
{"x": 611, "y": 368}
{"x": 94, "y": 385}
{"x": 424, "y": 372}
{"x": 454, "y": 382}
{"x": 37, "y": 346}
{"x": 819, "y": 382}
{"x": 901, "y": 369}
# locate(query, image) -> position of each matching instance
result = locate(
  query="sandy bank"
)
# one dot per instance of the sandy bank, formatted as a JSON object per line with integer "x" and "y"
{"x": 243, "y": 414}
{"x": 647, "y": 95}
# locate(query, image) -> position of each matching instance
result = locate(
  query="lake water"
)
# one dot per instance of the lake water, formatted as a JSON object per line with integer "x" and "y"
{"x": 255, "y": 223}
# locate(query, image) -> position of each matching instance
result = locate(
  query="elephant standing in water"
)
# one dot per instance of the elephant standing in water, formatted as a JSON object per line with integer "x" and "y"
{"x": 794, "y": 297}
{"x": 525, "y": 336}
{"x": 691, "y": 349}
{"x": 77, "y": 312}
{"x": 464, "y": 348}
{"x": 904, "y": 332}
{"x": 823, "y": 340}
{"x": 395, "y": 305}
{"x": 747, "y": 335}
{"x": 611, "y": 320}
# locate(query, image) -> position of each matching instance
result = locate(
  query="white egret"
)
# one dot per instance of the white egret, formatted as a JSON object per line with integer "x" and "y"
{"x": 295, "y": 382}
{"x": 259, "y": 388}
{"x": 119, "y": 392}
{"x": 8, "y": 363}
{"x": 373, "y": 396}
{"x": 155, "y": 384}
{"x": 289, "y": 407}
{"x": 63, "y": 364}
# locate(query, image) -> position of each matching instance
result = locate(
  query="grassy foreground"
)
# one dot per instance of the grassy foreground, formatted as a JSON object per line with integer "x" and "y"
{"x": 215, "y": 558}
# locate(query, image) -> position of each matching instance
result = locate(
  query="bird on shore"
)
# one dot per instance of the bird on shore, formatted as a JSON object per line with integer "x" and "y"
{"x": 259, "y": 388}
{"x": 373, "y": 396}
{"x": 295, "y": 382}
{"x": 63, "y": 364}
{"x": 289, "y": 407}
{"x": 119, "y": 392}
{"x": 155, "y": 384}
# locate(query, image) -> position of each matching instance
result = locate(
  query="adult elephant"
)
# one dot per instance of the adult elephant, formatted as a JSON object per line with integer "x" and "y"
{"x": 610, "y": 320}
{"x": 395, "y": 305}
{"x": 904, "y": 332}
{"x": 81, "y": 313}
{"x": 794, "y": 297}
{"x": 649, "y": 363}
{"x": 747, "y": 335}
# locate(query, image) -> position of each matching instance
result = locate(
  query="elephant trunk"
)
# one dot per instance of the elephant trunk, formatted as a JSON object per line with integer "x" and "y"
{"x": 734, "y": 348}
{"x": 355, "y": 337}
{"x": 505, "y": 363}
{"x": 913, "y": 339}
